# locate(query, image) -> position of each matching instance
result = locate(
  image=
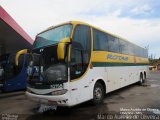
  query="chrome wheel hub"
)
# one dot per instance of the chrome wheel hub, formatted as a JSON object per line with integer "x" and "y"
{"x": 98, "y": 93}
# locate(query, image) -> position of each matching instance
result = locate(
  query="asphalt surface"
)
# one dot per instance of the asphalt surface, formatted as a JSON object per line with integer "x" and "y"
{"x": 132, "y": 102}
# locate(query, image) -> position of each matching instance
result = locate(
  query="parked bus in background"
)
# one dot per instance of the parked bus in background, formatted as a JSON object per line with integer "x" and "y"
{"x": 75, "y": 62}
{"x": 13, "y": 71}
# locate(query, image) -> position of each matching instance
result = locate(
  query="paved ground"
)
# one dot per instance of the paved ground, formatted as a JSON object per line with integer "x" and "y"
{"x": 143, "y": 101}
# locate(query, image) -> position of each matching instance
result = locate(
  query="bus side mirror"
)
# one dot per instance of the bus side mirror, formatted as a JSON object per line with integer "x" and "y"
{"x": 61, "y": 48}
{"x": 24, "y": 51}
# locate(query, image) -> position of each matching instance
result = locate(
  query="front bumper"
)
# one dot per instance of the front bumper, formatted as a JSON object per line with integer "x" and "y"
{"x": 60, "y": 100}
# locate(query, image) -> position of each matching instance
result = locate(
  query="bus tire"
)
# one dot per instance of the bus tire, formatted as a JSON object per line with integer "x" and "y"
{"x": 141, "y": 81}
{"x": 145, "y": 77}
{"x": 98, "y": 94}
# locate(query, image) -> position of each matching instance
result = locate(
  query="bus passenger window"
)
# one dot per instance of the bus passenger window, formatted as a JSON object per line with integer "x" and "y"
{"x": 100, "y": 40}
{"x": 113, "y": 44}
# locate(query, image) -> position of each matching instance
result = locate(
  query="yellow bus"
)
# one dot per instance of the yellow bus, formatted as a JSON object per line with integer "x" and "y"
{"x": 75, "y": 62}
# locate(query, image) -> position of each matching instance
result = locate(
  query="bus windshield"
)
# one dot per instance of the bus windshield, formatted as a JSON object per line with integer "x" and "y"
{"x": 52, "y": 36}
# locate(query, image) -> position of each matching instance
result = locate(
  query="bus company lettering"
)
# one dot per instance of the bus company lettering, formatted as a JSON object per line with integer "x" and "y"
{"x": 117, "y": 57}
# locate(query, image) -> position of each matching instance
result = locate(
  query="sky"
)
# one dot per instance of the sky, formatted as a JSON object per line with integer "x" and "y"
{"x": 135, "y": 20}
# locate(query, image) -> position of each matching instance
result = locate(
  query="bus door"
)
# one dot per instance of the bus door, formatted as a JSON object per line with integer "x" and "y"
{"x": 80, "y": 57}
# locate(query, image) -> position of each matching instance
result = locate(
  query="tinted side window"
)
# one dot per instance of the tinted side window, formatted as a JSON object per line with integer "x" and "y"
{"x": 141, "y": 52}
{"x": 145, "y": 53}
{"x": 106, "y": 42}
{"x": 123, "y": 46}
{"x": 100, "y": 40}
{"x": 136, "y": 50}
{"x": 82, "y": 36}
{"x": 131, "y": 48}
{"x": 113, "y": 44}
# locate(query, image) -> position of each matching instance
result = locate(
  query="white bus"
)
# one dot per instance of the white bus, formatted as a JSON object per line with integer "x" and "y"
{"x": 75, "y": 62}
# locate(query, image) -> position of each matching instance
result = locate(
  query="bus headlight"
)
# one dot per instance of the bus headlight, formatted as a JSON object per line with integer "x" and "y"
{"x": 59, "y": 92}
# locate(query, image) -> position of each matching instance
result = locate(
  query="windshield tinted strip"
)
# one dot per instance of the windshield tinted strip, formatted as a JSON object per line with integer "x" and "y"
{"x": 52, "y": 36}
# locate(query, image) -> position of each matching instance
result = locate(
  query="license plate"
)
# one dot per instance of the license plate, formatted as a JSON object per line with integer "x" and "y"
{"x": 57, "y": 86}
{"x": 44, "y": 108}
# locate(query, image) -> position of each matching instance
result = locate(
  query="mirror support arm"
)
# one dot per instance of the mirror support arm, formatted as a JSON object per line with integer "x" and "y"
{"x": 24, "y": 51}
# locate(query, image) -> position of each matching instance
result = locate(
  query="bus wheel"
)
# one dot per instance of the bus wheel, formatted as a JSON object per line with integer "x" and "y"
{"x": 144, "y": 80}
{"x": 141, "y": 80}
{"x": 98, "y": 94}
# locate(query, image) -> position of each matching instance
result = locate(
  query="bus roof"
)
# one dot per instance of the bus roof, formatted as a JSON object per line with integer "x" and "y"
{"x": 84, "y": 23}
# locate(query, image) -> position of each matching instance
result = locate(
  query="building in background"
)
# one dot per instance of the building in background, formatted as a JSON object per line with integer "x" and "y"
{"x": 12, "y": 39}
{"x": 12, "y": 36}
